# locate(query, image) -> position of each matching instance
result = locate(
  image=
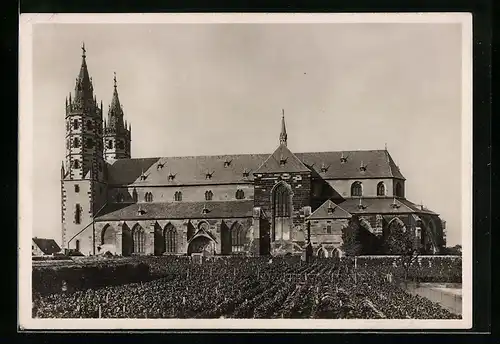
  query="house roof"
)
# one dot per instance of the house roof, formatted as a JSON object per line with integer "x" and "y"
{"x": 322, "y": 212}
{"x": 382, "y": 206}
{"x": 192, "y": 170}
{"x": 47, "y": 246}
{"x": 177, "y": 210}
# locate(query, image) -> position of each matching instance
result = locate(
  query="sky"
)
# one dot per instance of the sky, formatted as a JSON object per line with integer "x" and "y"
{"x": 197, "y": 89}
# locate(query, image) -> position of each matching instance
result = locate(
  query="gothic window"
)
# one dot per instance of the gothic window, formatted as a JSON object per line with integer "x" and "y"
{"x": 178, "y": 196}
{"x": 89, "y": 125}
{"x": 240, "y": 194}
{"x": 328, "y": 229}
{"x": 77, "y": 188}
{"x": 208, "y": 195}
{"x": 148, "y": 197}
{"x": 134, "y": 195}
{"x": 78, "y": 214}
{"x": 399, "y": 189}
{"x": 282, "y": 201}
{"x": 90, "y": 143}
{"x": 76, "y": 163}
{"x": 121, "y": 145}
{"x": 356, "y": 189}
{"x": 67, "y": 144}
{"x": 67, "y": 126}
{"x": 77, "y": 245}
{"x": 110, "y": 144}
{"x": 75, "y": 124}
{"x": 139, "y": 238}
{"x": 76, "y": 142}
{"x": 381, "y": 189}
{"x": 237, "y": 237}
{"x": 170, "y": 239}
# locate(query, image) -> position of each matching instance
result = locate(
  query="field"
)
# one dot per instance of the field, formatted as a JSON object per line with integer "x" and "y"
{"x": 255, "y": 288}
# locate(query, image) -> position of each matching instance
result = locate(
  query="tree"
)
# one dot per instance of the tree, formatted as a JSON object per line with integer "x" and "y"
{"x": 351, "y": 241}
{"x": 454, "y": 250}
{"x": 402, "y": 242}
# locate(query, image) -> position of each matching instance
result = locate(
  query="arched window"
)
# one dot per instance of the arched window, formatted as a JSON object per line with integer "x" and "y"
{"x": 110, "y": 144}
{"x": 77, "y": 245}
{"x": 356, "y": 189}
{"x": 281, "y": 201}
{"x": 148, "y": 197}
{"x": 76, "y": 142}
{"x": 77, "y": 188}
{"x": 89, "y": 124}
{"x": 170, "y": 239}
{"x": 178, "y": 196}
{"x": 381, "y": 189}
{"x": 76, "y": 163}
{"x": 240, "y": 194}
{"x": 139, "y": 239}
{"x": 398, "y": 189}
{"x": 75, "y": 124}
{"x": 121, "y": 145}
{"x": 78, "y": 214}
{"x": 237, "y": 237}
{"x": 108, "y": 236}
{"x": 208, "y": 195}
{"x": 67, "y": 144}
{"x": 89, "y": 143}
{"x": 134, "y": 195}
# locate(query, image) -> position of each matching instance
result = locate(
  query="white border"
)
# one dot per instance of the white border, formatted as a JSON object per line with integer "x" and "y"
{"x": 25, "y": 321}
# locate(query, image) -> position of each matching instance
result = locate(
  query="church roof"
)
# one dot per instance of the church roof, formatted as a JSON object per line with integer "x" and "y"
{"x": 282, "y": 160}
{"x": 177, "y": 210}
{"x": 323, "y": 213}
{"x": 230, "y": 169}
{"x": 47, "y": 246}
{"x": 382, "y": 206}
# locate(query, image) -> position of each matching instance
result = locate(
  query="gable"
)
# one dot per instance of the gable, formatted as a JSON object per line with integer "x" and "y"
{"x": 291, "y": 162}
{"x": 47, "y": 246}
{"x": 322, "y": 212}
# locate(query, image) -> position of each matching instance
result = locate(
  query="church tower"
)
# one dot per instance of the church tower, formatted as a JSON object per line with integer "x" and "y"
{"x": 116, "y": 133}
{"x": 83, "y": 184}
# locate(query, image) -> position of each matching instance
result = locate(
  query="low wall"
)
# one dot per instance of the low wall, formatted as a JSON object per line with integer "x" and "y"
{"x": 441, "y": 294}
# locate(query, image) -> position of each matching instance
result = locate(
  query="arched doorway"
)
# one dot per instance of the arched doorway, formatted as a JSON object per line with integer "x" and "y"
{"x": 282, "y": 210}
{"x": 203, "y": 244}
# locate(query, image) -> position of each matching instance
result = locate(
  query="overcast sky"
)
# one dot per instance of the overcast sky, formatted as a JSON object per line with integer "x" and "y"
{"x": 192, "y": 89}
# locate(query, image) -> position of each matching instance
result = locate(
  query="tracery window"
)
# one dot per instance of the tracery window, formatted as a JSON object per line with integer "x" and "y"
{"x": 170, "y": 239}
{"x": 356, "y": 189}
{"x": 282, "y": 201}
{"x": 139, "y": 238}
{"x": 381, "y": 189}
{"x": 208, "y": 195}
{"x": 178, "y": 196}
{"x": 237, "y": 237}
{"x": 240, "y": 194}
{"x": 148, "y": 197}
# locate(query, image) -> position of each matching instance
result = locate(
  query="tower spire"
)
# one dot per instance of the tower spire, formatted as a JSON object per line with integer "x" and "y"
{"x": 115, "y": 112}
{"x": 283, "y": 135}
{"x": 83, "y": 87}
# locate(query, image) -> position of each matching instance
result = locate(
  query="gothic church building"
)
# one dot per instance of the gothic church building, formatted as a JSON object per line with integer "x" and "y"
{"x": 255, "y": 204}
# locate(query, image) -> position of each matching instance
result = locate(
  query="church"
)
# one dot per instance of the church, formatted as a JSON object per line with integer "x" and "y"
{"x": 251, "y": 204}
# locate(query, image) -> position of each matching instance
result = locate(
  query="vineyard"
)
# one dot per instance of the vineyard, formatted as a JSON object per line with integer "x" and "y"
{"x": 248, "y": 288}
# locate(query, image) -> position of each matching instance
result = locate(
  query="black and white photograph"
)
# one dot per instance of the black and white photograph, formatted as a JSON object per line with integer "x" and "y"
{"x": 245, "y": 171}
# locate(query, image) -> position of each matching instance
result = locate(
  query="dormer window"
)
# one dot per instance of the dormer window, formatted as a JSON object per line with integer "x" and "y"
{"x": 324, "y": 168}
{"x": 227, "y": 163}
{"x": 160, "y": 166}
{"x": 361, "y": 206}
{"x": 208, "y": 175}
{"x": 282, "y": 161}
{"x": 362, "y": 167}
{"x": 143, "y": 177}
{"x": 330, "y": 210}
{"x": 141, "y": 211}
{"x": 394, "y": 205}
{"x": 343, "y": 159}
{"x": 246, "y": 173}
{"x": 171, "y": 177}
{"x": 205, "y": 210}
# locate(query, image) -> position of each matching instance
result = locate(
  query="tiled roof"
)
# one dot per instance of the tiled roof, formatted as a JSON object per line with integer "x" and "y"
{"x": 378, "y": 164}
{"x": 189, "y": 170}
{"x": 290, "y": 162}
{"x": 322, "y": 212}
{"x": 382, "y": 206}
{"x": 48, "y": 246}
{"x": 177, "y": 210}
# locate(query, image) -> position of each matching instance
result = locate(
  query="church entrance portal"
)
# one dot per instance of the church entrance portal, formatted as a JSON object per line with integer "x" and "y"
{"x": 201, "y": 244}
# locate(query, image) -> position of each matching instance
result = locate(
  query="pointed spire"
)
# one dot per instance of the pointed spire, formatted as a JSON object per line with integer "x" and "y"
{"x": 115, "y": 112}
{"x": 283, "y": 135}
{"x": 83, "y": 87}
{"x": 385, "y": 146}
